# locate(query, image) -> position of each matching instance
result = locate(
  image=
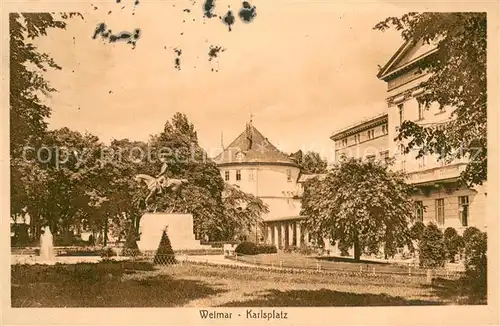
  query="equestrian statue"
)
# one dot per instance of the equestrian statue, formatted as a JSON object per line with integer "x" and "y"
{"x": 160, "y": 183}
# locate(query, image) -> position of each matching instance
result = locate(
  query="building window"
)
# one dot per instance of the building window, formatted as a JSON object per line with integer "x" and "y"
{"x": 370, "y": 158}
{"x": 384, "y": 155}
{"x": 463, "y": 210}
{"x": 401, "y": 113}
{"x": 371, "y": 134}
{"x": 357, "y": 138}
{"x": 251, "y": 175}
{"x": 421, "y": 162}
{"x": 238, "y": 175}
{"x": 440, "y": 211}
{"x": 421, "y": 109}
{"x": 344, "y": 142}
{"x": 384, "y": 129}
{"x": 289, "y": 175}
{"x": 419, "y": 210}
{"x": 226, "y": 175}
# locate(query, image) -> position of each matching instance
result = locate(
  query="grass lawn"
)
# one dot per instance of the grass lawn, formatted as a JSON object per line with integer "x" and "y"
{"x": 291, "y": 260}
{"x": 126, "y": 284}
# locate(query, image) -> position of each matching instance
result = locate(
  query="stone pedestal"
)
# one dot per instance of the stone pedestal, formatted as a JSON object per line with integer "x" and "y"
{"x": 179, "y": 231}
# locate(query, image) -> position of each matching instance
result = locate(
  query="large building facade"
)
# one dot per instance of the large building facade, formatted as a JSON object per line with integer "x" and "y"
{"x": 438, "y": 196}
{"x": 257, "y": 167}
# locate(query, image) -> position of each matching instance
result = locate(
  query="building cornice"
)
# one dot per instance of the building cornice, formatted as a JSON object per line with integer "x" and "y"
{"x": 360, "y": 127}
{"x": 240, "y": 164}
{"x": 402, "y": 96}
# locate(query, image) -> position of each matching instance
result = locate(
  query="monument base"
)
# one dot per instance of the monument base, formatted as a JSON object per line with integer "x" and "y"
{"x": 179, "y": 231}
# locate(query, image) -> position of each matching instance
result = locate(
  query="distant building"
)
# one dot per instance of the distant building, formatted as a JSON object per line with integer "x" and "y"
{"x": 257, "y": 167}
{"x": 438, "y": 197}
{"x": 367, "y": 139}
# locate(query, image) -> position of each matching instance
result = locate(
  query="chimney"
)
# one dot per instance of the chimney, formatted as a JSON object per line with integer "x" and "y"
{"x": 249, "y": 132}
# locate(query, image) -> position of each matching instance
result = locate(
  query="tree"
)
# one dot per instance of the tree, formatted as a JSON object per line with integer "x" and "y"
{"x": 28, "y": 111}
{"x": 310, "y": 163}
{"x": 453, "y": 243}
{"x": 432, "y": 250}
{"x": 360, "y": 204}
{"x": 178, "y": 146}
{"x": 457, "y": 80}
{"x": 242, "y": 212}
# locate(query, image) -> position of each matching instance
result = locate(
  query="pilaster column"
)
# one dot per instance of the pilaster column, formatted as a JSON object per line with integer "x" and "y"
{"x": 276, "y": 235}
{"x": 290, "y": 233}
{"x": 283, "y": 238}
{"x": 269, "y": 234}
{"x": 298, "y": 234}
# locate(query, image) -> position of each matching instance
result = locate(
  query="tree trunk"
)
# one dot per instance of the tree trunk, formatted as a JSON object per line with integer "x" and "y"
{"x": 105, "y": 236}
{"x": 357, "y": 248}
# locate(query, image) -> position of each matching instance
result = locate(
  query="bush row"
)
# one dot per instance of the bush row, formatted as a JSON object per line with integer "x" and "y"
{"x": 436, "y": 247}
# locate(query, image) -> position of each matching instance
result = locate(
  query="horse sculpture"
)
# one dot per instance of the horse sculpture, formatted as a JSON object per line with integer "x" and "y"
{"x": 158, "y": 185}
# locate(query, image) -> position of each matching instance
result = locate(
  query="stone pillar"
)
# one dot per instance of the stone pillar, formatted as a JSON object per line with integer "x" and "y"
{"x": 276, "y": 235}
{"x": 283, "y": 238}
{"x": 298, "y": 234}
{"x": 269, "y": 234}
{"x": 290, "y": 234}
{"x": 306, "y": 238}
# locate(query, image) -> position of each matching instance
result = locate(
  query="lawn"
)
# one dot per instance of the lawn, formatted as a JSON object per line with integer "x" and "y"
{"x": 126, "y": 284}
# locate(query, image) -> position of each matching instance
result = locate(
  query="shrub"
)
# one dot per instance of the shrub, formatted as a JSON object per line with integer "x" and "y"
{"x": 344, "y": 249}
{"x": 246, "y": 248}
{"x": 307, "y": 251}
{"x": 469, "y": 232}
{"x": 417, "y": 231}
{"x": 165, "y": 254}
{"x": 476, "y": 261}
{"x": 475, "y": 251}
{"x": 431, "y": 248}
{"x": 250, "y": 248}
{"x": 130, "y": 248}
{"x": 267, "y": 249}
{"x": 453, "y": 243}
{"x": 108, "y": 252}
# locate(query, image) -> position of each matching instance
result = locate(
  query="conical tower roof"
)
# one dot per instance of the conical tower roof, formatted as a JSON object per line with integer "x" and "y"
{"x": 252, "y": 147}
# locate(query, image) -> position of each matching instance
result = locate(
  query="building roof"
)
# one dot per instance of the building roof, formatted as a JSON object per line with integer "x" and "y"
{"x": 364, "y": 124}
{"x": 305, "y": 177}
{"x": 252, "y": 147}
{"x": 284, "y": 218}
{"x": 405, "y": 57}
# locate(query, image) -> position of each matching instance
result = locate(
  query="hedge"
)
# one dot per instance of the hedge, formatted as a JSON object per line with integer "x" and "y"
{"x": 250, "y": 248}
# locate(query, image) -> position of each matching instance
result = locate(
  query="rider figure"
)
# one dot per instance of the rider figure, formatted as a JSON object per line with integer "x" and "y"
{"x": 160, "y": 177}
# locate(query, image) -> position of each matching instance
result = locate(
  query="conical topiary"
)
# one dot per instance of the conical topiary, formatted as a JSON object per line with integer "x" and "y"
{"x": 164, "y": 254}
{"x": 131, "y": 249}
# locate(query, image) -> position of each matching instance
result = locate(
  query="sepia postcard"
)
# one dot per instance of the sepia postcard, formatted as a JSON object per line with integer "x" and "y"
{"x": 250, "y": 162}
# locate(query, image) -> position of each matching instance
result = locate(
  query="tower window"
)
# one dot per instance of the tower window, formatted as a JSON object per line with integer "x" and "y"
{"x": 251, "y": 175}
{"x": 238, "y": 175}
{"x": 289, "y": 175}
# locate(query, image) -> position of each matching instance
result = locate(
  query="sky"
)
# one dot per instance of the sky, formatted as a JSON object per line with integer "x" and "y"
{"x": 301, "y": 69}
